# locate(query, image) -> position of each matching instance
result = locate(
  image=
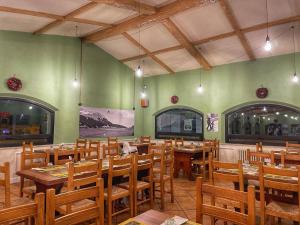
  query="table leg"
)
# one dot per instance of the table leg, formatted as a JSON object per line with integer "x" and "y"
{"x": 43, "y": 188}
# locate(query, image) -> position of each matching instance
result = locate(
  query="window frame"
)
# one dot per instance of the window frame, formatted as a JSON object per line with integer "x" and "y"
{"x": 169, "y": 135}
{"x": 48, "y": 137}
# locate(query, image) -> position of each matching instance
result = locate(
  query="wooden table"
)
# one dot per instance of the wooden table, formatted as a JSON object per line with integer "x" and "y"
{"x": 152, "y": 217}
{"x": 183, "y": 160}
{"x": 142, "y": 148}
{"x": 47, "y": 180}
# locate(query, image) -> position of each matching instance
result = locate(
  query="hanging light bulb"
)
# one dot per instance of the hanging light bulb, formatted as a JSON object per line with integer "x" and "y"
{"x": 295, "y": 78}
{"x": 268, "y": 45}
{"x": 139, "y": 71}
{"x": 200, "y": 89}
{"x": 143, "y": 94}
{"x": 75, "y": 83}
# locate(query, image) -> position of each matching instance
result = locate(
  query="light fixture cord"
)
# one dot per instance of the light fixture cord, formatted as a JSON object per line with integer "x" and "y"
{"x": 76, "y": 35}
{"x": 294, "y": 43}
{"x": 267, "y": 17}
{"x": 140, "y": 31}
{"x": 81, "y": 68}
{"x": 200, "y": 77}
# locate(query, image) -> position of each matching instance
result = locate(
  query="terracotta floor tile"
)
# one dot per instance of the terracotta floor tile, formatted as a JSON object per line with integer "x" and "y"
{"x": 186, "y": 203}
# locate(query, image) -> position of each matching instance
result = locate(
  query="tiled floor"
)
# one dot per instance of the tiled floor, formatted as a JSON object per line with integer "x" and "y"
{"x": 184, "y": 204}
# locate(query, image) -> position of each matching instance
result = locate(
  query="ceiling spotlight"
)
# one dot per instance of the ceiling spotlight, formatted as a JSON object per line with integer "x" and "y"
{"x": 264, "y": 109}
{"x": 30, "y": 107}
{"x": 75, "y": 83}
{"x": 295, "y": 78}
{"x": 264, "y": 117}
{"x": 268, "y": 45}
{"x": 242, "y": 114}
{"x": 277, "y": 113}
{"x": 286, "y": 115}
{"x": 254, "y": 116}
{"x": 200, "y": 89}
{"x": 269, "y": 119}
{"x": 139, "y": 71}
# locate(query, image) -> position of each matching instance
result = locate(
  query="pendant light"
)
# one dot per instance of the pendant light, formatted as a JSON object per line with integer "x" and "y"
{"x": 200, "y": 87}
{"x": 139, "y": 70}
{"x": 144, "y": 93}
{"x": 295, "y": 78}
{"x": 75, "y": 81}
{"x": 268, "y": 44}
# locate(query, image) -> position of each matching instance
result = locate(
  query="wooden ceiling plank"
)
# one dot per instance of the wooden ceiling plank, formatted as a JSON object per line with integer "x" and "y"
{"x": 30, "y": 13}
{"x": 162, "y": 13}
{"x": 67, "y": 17}
{"x": 183, "y": 40}
{"x": 129, "y": 4}
{"x": 137, "y": 44}
{"x": 235, "y": 25}
{"x": 85, "y": 21}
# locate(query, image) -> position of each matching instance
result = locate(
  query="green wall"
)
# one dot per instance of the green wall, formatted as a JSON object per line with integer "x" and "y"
{"x": 46, "y": 66}
{"x": 225, "y": 87}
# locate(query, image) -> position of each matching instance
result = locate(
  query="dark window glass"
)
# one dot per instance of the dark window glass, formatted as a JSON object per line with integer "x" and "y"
{"x": 179, "y": 123}
{"x": 271, "y": 124}
{"x": 22, "y": 120}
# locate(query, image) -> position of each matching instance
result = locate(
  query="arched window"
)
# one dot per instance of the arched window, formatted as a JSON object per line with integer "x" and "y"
{"x": 23, "y": 120}
{"x": 268, "y": 123}
{"x": 183, "y": 123}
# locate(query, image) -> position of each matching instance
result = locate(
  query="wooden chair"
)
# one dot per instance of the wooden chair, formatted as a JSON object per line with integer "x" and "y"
{"x": 34, "y": 210}
{"x": 142, "y": 163}
{"x": 89, "y": 173}
{"x": 81, "y": 143}
{"x": 119, "y": 167}
{"x": 145, "y": 139}
{"x": 27, "y": 147}
{"x": 287, "y": 159}
{"x": 5, "y": 182}
{"x": 290, "y": 147}
{"x": 219, "y": 212}
{"x": 92, "y": 152}
{"x": 179, "y": 142}
{"x": 165, "y": 157}
{"x": 168, "y": 143}
{"x": 94, "y": 212}
{"x": 258, "y": 157}
{"x": 110, "y": 150}
{"x": 269, "y": 178}
{"x": 259, "y": 147}
{"x": 201, "y": 163}
{"x": 112, "y": 140}
{"x": 31, "y": 160}
{"x": 63, "y": 156}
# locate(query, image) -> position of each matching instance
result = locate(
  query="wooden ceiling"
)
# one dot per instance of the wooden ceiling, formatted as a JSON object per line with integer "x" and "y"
{"x": 166, "y": 36}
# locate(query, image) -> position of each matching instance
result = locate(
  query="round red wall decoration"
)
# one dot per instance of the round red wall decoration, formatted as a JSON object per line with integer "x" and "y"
{"x": 174, "y": 99}
{"x": 262, "y": 92}
{"x": 14, "y": 84}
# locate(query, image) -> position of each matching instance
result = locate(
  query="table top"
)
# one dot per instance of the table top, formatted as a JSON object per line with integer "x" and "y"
{"x": 54, "y": 175}
{"x": 151, "y": 217}
{"x": 188, "y": 149}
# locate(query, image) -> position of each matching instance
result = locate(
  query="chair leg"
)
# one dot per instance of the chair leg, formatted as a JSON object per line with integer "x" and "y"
{"x": 162, "y": 195}
{"x": 109, "y": 212}
{"x": 135, "y": 206}
{"x": 172, "y": 190}
{"x": 131, "y": 203}
{"x": 21, "y": 186}
{"x": 151, "y": 196}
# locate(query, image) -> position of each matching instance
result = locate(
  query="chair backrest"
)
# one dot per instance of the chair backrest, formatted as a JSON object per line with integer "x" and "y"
{"x": 168, "y": 142}
{"x": 27, "y": 147}
{"x": 111, "y": 150}
{"x": 81, "y": 143}
{"x": 166, "y": 155}
{"x": 289, "y": 159}
{"x": 35, "y": 209}
{"x": 259, "y": 147}
{"x": 63, "y": 156}
{"x": 91, "y": 212}
{"x": 221, "y": 213}
{"x": 145, "y": 139}
{"x": 206, "y": 152}
{"x": 291, "y": 147}
{"x": 179, "y": 142}
{"x": 119, "y": 167}
{"x": 143, "y": 162}
{"x": 269, "y": 177}
{"x": 5, "y": 182}
{"x": 34, "y": 159}
{"x": 258, "y": 157}
{"x": 112, "y": 140}
{"x": 92, "y": 152}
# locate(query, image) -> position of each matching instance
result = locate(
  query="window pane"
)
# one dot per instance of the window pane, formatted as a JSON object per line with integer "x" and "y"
{"x": 179, "y": 123}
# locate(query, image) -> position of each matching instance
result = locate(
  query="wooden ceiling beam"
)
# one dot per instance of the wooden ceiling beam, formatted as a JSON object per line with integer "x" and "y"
{"x": 134, "y": 5}
{"x": 162, "y": 13}
{"x": 71, "y": 17}
{"x": 137, "y": 44}
{"x": 30, "y": 13}
{"x": 236, "y": 27}
{"x": 183, "y": 40}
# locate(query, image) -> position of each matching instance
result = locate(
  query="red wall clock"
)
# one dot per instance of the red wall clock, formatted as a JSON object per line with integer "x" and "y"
{"x": 262, "y": 92}
{"x": 174, "y": 99}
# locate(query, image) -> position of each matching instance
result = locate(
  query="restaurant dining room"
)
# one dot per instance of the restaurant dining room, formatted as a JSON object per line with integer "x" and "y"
{"x": 149, "y": 112}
